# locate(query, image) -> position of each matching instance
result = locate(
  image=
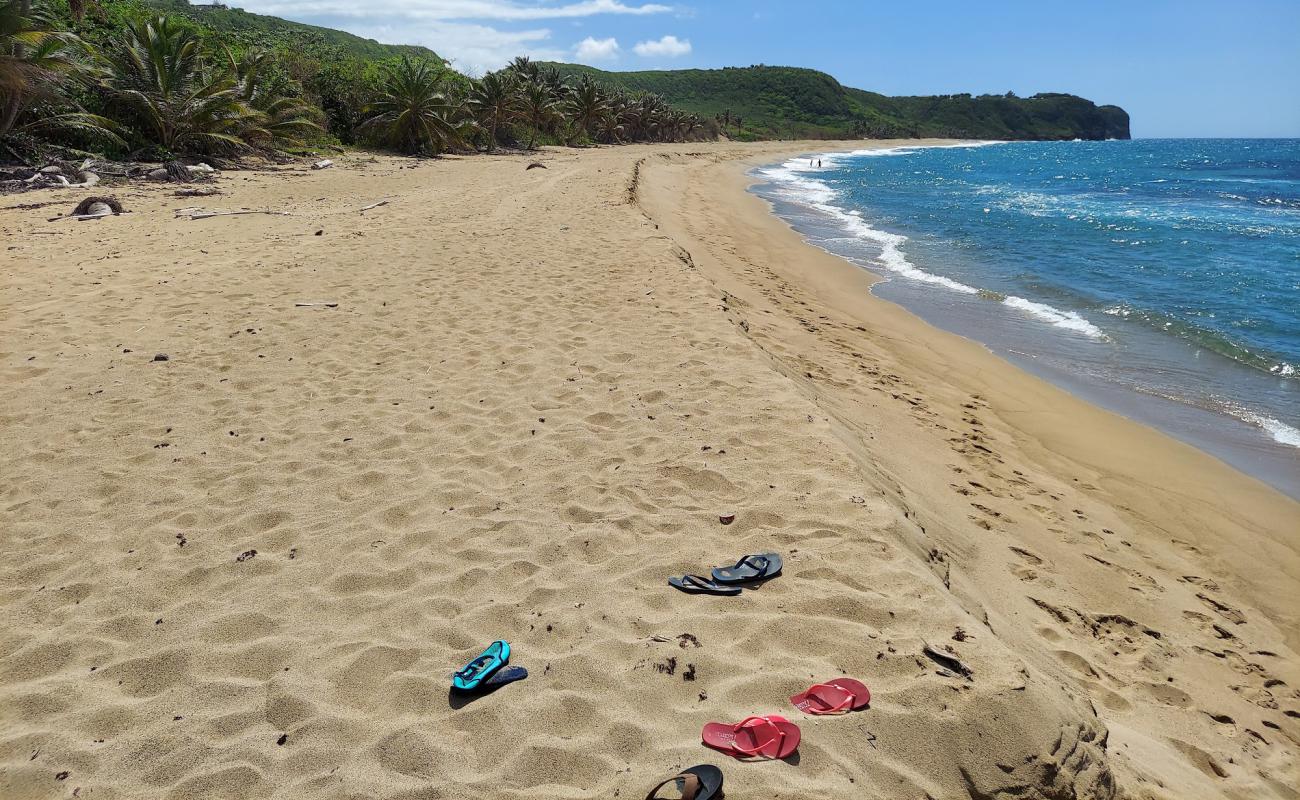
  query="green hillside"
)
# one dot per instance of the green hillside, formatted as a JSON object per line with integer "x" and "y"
{"x": 790, "y": 103}
{"x": 336, "y": 71}
{"x": 273, "y": 33}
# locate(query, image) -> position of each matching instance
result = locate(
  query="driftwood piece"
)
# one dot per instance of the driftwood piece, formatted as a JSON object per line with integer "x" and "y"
{"x": 374, "y": 205}
{"x": 323, "y": 164}
{"x": 198, "y": 191}
{"x": 44, "y": 173}
{"x": 88, "y": 179}
{"x": 535, "y": 165}
{"x": 949, "y": 662}
{"x": 198, "y": 213}
{"x": 316, "y": 305}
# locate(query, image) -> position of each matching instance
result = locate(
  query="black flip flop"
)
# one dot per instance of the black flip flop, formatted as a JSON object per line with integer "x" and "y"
{"x": 757, "y": 567}
{"x": 694, "y": 584}
{"x": 703, "y": 782}
{"x": 503, "y": 676}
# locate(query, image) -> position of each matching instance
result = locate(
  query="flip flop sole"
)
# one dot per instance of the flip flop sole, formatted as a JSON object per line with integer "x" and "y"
{"x": 707, "y": 780}
{"x": 710, "y": 780}
{"x": 744, "y": 573}
{"x": 861, "y": 694}
{"x": 723, "y": 737}
{"x": 504, "y": 676}
{"x": 809, "y": 702}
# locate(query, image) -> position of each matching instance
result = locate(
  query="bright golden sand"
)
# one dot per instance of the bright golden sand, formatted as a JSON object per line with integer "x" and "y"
{"x": 248, "y": 571}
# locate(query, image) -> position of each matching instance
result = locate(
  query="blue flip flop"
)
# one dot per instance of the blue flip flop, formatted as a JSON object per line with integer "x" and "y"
{"x": 473, "y": 674}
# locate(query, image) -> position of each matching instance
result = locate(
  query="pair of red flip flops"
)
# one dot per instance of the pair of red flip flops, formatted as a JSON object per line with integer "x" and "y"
{"x": 774, "y": 736}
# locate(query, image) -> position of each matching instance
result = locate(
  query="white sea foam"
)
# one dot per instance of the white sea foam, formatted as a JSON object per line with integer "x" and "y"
{"x": 1280, "y": 431}
{"x": 813, "y": 193}
{"x": 1068, "y": 320}
{"x": 795, "y": 177}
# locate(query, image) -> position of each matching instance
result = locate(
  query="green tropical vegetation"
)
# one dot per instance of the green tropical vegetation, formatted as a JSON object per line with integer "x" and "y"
{"x": 162, "y": 78}
{"x": 763, "y": 102}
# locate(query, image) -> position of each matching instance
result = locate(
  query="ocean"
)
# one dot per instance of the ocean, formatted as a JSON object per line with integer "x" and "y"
{"x": 1157, "y": 278}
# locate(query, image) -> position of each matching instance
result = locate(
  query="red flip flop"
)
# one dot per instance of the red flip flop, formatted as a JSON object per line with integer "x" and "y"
{"x": 771, "y": 736}
{"x": 837, "y": 696}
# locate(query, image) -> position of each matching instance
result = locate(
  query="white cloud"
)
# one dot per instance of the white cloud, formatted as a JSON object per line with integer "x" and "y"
{"x": 472, "y": 49}
{"x": 592, "y": 49}
{"x": 467, "y": 32}
{"x": 502, "y": 10}
{"x": 669, "y": 46}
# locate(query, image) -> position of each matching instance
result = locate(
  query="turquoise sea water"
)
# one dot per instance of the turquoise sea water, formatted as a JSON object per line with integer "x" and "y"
{"x": 1160, "y": 278}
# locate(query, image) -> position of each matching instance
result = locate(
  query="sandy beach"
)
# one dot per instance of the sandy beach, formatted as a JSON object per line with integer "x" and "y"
{"x": 514, "y": 403}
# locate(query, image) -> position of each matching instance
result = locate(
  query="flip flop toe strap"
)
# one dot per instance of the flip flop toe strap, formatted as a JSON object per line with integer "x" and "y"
{"x": 756, "y": 563}
{"x": 833, "y": 697}
{"x": 755, "y": 723}
{"x": 474, "y": 667}
{"x": 690, "y": 786}
{"x": 698, "y": 582}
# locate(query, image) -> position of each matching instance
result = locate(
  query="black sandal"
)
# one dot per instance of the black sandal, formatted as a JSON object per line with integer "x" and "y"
{"x": 694, "y": 584}
{"x": 750, "y": 568}
{"x": 703, "y": 782}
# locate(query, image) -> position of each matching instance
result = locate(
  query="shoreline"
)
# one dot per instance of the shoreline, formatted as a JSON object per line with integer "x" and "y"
{"x": 1245, "y": 440}
{"x": 248, "y": 570}
{"x": 1110, "y": 498}
{"x": 833, "y": 280}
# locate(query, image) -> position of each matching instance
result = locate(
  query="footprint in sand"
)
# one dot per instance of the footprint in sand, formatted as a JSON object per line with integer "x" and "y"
{"x": 1026, "y": 571}
{"x": 1142, "y": 580}
{"x": 1222, "y": 609}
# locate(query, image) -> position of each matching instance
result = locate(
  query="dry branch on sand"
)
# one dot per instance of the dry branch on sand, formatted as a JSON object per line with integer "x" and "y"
{"x": 199, "y": 213}
{"x": 198, "y": 191}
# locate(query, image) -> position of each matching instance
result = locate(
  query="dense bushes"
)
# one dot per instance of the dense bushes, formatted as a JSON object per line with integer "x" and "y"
{"x": 125, "y": 80}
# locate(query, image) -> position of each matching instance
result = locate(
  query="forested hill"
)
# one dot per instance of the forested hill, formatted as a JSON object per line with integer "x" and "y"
{"x": 274, "y": 33}
{"x": 787, "y": 103}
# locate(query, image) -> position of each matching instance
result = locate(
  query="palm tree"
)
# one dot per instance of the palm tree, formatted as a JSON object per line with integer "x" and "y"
{"x": 538, "y": 109}
{"x": 37, "y": 61}
{"x": 648, "y": 113}
{"x": 586, "y": 105}
{"x": 524, "y": 68}
{"x": 608, "y": 128}
{"x": 283, "y": 117}
{"x": 172, "y": 95}
{"x": 412, "y": 113}
{"x": 494, "y": 101}
{"x": 551, "y": 78}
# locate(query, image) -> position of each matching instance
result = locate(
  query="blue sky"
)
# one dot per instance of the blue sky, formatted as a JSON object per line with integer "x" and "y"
{"x": 1189, "y": 68}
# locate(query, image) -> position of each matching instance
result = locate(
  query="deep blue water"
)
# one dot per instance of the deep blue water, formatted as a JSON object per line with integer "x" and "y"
{"x": 1168, "y": 269}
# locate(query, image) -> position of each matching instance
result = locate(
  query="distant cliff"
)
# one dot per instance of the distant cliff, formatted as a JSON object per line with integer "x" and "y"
{"x": 787, "y": 102}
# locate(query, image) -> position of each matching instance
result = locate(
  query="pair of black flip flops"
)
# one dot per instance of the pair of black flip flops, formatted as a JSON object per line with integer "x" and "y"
{"x": 728, "y": 580}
